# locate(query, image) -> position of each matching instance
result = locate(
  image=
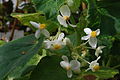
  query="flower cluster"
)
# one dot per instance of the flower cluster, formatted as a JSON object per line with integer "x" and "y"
{"x": 56, "y": 43}
{"x": 59, "y": 41}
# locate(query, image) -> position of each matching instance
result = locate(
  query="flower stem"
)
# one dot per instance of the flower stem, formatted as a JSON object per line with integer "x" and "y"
{"x": 116, "y": 66}
{"x": 79, "y": 57}
{"x": 109, "y": 60}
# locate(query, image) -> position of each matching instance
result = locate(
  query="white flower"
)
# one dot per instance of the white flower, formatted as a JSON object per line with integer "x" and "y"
{"x": 99, "y": 50}
{"x": 91, "y": 36}
{"x": 64, "y": 17}
{"x": 94, "y": 65}
{"x": 55, "y": 44}
{"x": 73, "y": 65}
{"x": 41, "y": 29}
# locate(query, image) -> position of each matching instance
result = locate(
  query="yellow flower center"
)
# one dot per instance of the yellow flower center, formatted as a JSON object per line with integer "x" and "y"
{"x": 68, "y": 68}
{"x": 93, "y": 34}
{"x": 96, "y": 67}
{"x": 57, "y": 46}
{"x": 66, "y": 17}
{"x": 42, "y": 26}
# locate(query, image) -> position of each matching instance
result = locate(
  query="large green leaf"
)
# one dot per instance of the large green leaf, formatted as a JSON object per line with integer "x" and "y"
{"x": 101, "y": 18}
{"x": 93, "y": 17}
{"x": 111, "y": 10}
{"x": 25, "y": 69}
{"x": 50, "y": 7}
{"x": 49, "y": 69}
{"x": 16, "y": 53}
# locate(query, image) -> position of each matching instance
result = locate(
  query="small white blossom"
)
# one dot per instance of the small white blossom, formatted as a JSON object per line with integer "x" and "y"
{"x": 94, "y": 65}
{"x": 55, "y": 44}
{"x": 41, "y": 29}
{"x": 73, "y": 65}
{"x": 64, "y": 17}
{"x": 99, "y": 50}
{"x": 91, "y": 36}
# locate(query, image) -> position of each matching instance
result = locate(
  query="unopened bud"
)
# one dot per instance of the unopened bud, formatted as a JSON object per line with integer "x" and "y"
{"x": 67, "y": 41}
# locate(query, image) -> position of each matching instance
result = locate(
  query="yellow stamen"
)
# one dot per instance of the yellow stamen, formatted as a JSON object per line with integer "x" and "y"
{"x": 66, "y": 17}
{"x": 96, "y": 67}
{"x": 93, "y": 34}
{"x": 42, "y": 26}
{"x": 57, "y": 46}
{"x": 68, "y": 68}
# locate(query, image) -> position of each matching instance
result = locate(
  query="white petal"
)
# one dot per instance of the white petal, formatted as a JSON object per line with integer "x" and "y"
{"x": 37, "y": 34}
{"x": 72, "y": 25}
{"x": 88, "y": 69}
{"x": 61, "y": 36}
{"x": 93, "y": 42}
{"x": 47, "y": 44}
{"x": 21, "y": 5}
{"x": 75, "y": 64}
{"x": 87, "y": 30}
{"x": 46, "y": 33}
{"x": 98, "y": 31}
{"x": 62, "y": 21}
{"x": 85, "y": 37}
{"x": 98, "y": 58}
{"x": 101, "y": 47}
{"x": 65, "y": 58}
{"x": 36, "y": 25}
{"x": 64, "y": 64}
{"x": 65, "y": 11}
{"x": 69, "y": 73}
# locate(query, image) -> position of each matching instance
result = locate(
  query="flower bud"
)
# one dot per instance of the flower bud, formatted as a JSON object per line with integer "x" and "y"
{"x": 67, "y": 41}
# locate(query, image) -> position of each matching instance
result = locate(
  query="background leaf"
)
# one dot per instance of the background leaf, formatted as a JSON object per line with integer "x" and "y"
{"x": 18, "y": 52}
{"x": 49, "y": 7}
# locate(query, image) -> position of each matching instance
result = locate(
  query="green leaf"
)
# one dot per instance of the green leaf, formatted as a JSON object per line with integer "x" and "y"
{"x": 99, "y": 17}
{"x": 93, "y": 16}
{"x": 103, "y": 73}
{"x": 49, "y": 69}
{"x": 26, "y": 18}
{"x": 112, "y": 11}
{"x": 74, "y": 39}
{"x": 49, "y": 7}
{"x": 27, "y": 68}
{"x": 17, "y": 53}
